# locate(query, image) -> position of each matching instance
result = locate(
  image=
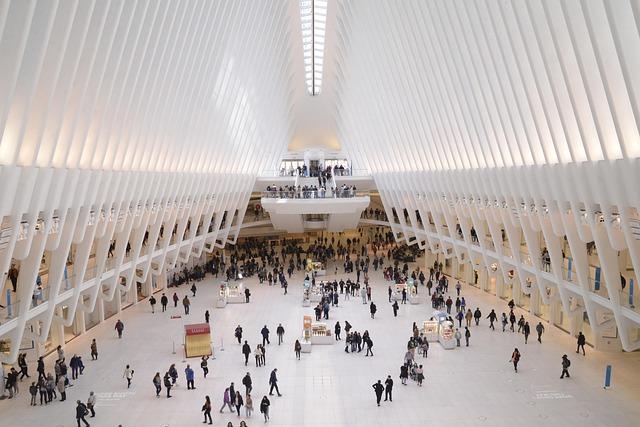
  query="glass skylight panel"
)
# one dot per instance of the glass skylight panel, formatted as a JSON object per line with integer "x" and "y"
{"x": 313, "y": 18}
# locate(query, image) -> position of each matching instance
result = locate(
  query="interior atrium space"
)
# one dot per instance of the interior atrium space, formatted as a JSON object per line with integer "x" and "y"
{"x": 319, "y": 213}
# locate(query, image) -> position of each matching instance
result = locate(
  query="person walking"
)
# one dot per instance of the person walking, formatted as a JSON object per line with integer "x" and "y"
{"x": 388, "y": 389}
{"x": 369, "y": 344}
{"x": 204, "y": 364}
{"x": 186, "y": 304}
{"x": 152, "y": 301}
{"x": 128, "y": 374}
{"x": 372, "y": 310}
{"x": 390, "y": 292}
{"x": 582, "y": 340}
{"x": 297, "y": 348}
{"x": 512, "y": 321}
{"x": 420, "y": 375}
{"x": 492, "y": 318}
{"x": 206, "y": 316}
{"x": 505, "y": 321}
{"x": 91, "y": 404}
{"x": 477, "y": 315}
{"x": 247, "y": 383}
{"x": 226, "y": 400}
{"x": 515, "y": 358}
{"x": 175, "y": 300}
{"x": 248, "y": 406}
{"x": 265, "y": 335}
{"x": 540, "y": 331}
{"x": 280, "y": 333}
{"x": 81, "y": 412}
{"x": 246, "y": 350}
{"x": 467, "y": 335}
{"x": 526, "y": 330}
{"x": 459, "y": 317}
{"x": 395, "y": 307}
{"x": 404, "y": 374}
{"x": 206, "y": 408}
{"x": 378, "y": 388}
{"x": 258, "y": 355}
{"x": 264, "y": 408}
{"x": 61, "y": 388}
{"x": 157, "y": 383}
{"x": 190, "y": 376}
{"x": 565, "y": 366}
{"x": 458, "y": 336}
{"x": 119, "y": 328}
{"x": 239, "y": 402}
{"x": 163, "y": 302}
{"x": 273, "y": 382}
{"x": 238, "y": 334}
{"x": 193, "y": 289}
{"x": 247, "y": 295}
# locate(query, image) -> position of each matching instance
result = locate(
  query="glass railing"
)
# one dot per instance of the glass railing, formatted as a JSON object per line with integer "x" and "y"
{"x": 313, "y": 194}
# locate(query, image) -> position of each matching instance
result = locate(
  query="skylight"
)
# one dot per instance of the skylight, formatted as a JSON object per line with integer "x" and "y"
{"x": 313, "y": 16}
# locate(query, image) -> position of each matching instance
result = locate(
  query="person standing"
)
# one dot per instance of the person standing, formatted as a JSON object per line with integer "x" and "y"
{"x": 62, "y": 388}
{"x": 467, "y": 335}
{"x": 175, "y": 300}
{"x": 372, "y": 310}
{"x": 581, "y": 342}
{"x": 247, "y": 295}
{"x": 163, "y": 302}
{"x": 246, "y": 350}
{"x": 206, "y": 316}
{"x": 157, "y": 383}
{"x": 404, "y": 295}
{"x": 390, "y": 292}
{"x": 193, "y": 289}
{"x": 265, "y": 335}
{"x": 378, "y": 388}
{"x": 167, "y": 384}
{"x": 152, "y": 301}
{"x": 204, "y": 364}
{"x": 388, "y": 389}
{"x": 280, "y": 333}
{"x": 81, "y": 412}
{"x": 33, "y": 391}
{"x": 467, "y": 317}
{"x": 395, "y": 307}
{"x": 404, "y": 374}
{"x": 515, "y": 358}
{"x": 248, "y": 406}
{"x": 206, "y": 408}
{"x": 297, "y": 347}
{"x": 91, "y": 403}
{"x": 186, "y": 303}
{"x": 505, "y": 321}
{"x": 264, "y": 408}
{"x": 337, "y": 329}
{"x": 540, "y": 331}
{"x": 273, "y": 382}
{"x": 128, "y": 374}
{"x": 458, "y": 336}
{"x": 565, "y": 366}
{"x": 190, "y": 376}
{"x": 526, "y": 330}
{"x": 119, "y": 328}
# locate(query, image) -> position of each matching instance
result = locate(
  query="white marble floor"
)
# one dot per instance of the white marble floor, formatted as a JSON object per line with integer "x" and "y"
{"x": 472, "y": 386}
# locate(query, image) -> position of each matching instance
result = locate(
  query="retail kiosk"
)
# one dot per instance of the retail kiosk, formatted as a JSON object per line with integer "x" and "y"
{"x": 197, "y": 340}
{"x": 430, "y": 330}
{"x": 316, "y": 267}
{"x": 321, "y": 334}
{"x": 306, "y": 335}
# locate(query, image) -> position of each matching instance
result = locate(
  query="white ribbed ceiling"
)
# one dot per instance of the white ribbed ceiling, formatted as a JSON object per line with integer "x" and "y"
{"x": 459, "y": 84}
{"x": 219, "y": 86}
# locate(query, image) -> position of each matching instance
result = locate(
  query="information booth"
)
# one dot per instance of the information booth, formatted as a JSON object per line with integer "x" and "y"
{"x": 197, "y": 340}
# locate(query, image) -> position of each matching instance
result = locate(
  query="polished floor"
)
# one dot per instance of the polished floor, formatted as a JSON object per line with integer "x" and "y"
{"x": 471, "y": 386}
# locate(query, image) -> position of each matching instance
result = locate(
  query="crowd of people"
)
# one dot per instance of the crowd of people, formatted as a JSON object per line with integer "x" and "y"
{"x": 254, "y": 256}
